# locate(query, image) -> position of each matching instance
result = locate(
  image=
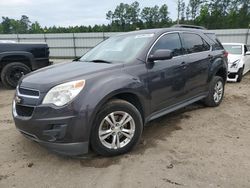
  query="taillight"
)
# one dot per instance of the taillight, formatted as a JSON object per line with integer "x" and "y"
{"x": 225, "y": 53}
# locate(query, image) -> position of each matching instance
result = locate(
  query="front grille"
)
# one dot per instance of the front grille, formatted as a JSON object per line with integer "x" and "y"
{"x": 29, "y": 92}
{"x": 24, "y": 110}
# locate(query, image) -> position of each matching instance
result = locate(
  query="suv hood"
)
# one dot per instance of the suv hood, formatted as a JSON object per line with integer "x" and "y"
{"x": 45, "y": 78}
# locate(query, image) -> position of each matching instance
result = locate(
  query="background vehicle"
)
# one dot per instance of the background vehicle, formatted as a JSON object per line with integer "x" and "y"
{"x": 104, "y": 99}
{"x": 238, "y": 60}
{"x": 18, "y": 59}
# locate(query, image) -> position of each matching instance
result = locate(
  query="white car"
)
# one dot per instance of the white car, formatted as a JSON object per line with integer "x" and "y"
{"x": 238, "y": 60}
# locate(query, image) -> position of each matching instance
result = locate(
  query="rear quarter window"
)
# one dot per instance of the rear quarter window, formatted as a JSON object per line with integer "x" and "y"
{"x": 216, "y": 44}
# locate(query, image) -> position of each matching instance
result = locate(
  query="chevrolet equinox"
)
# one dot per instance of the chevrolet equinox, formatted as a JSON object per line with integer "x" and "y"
{"x": 103, "y": 99}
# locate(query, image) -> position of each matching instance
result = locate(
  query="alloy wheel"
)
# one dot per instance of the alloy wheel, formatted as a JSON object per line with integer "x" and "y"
{"x": 116, "y": 130}
{"x": 218, "y": 91}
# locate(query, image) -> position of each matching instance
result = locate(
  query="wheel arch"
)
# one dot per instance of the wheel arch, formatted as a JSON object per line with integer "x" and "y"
{"x": 222, "y": 72}
{"x": 218, "y": 68}
{"x": 127, "y": 95}
{"x": 22, "y": 57}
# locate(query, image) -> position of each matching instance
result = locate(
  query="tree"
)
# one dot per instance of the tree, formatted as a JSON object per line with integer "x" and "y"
{"x": 182, "y": 11}
{"x": 109, "y": 16}
{"x": 212, "y": 14}
{"x": 203, "y": 18}
{"x": 24, "y": 24}
{"x": 163, "y": 15}
{"x": 133, "y": 13}
{"x": 120, "y": 15}
{"x": 150, "y": 16}
{"x": 14, "y": 26}
{"x": 187, "y": 13}
{"x": 194, "y": 7}
{"x": 244, "y": 15}
{"x": 36, "y": 28}
{"x": 6, "y": 25}
{"x": 125, "y": 16}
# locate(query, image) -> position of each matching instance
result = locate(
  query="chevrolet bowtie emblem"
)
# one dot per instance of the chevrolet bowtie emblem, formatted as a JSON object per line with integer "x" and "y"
{"x": 18, "y": 100}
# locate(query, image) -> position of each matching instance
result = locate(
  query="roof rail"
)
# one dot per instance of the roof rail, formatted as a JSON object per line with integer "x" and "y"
{"x": 189, "y": 26}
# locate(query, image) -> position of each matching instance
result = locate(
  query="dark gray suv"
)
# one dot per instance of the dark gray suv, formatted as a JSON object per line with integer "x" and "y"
{"x": 103, "y": 99}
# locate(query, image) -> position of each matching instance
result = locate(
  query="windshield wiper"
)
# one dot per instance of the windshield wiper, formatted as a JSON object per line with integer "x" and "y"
{"x": 100, "y": 61}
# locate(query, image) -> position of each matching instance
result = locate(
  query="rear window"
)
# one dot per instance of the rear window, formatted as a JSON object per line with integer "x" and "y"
{"x": 216, "y": 45}
{"x": 233, "y": 49}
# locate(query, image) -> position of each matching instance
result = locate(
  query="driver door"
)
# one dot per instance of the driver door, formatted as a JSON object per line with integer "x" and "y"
{"x": 167, "y": 77}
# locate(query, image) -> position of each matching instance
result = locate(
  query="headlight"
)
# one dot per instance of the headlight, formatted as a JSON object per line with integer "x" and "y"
{"x": 235, "y": 64}
{"x": 64, "y": 93}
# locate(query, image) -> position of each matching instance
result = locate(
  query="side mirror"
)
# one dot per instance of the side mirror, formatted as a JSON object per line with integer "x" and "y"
{"x": 247, "y": 53}
{"x": 160, "y": 55}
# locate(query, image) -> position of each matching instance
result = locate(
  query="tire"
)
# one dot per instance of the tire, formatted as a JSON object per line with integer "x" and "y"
{"x": 211, "y": 99}
{"x": 119, "y": 108}
{"x": 12, "y": 72}
{"x": 240, "y": 74}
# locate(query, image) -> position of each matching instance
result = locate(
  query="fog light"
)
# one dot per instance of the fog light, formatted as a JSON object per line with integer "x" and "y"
{"x": 58, "y": 131}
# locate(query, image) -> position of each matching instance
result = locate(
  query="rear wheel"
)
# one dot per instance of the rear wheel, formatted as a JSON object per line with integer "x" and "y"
{"x": 216, "y": 92}
{"x": 117, "y": 128}
{"x": 12, "y": 72}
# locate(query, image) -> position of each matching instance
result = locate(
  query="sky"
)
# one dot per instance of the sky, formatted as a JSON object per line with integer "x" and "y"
{"x": 70, "y": 13}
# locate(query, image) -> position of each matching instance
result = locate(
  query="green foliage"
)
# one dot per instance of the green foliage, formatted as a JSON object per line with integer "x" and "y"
{"x": 212, "y": 14}
{"x": 194, "y": 7}
{"x": 224, "y": 14}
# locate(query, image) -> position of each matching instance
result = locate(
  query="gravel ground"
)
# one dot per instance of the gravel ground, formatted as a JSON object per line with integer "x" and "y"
{"x": 193, "y": 147}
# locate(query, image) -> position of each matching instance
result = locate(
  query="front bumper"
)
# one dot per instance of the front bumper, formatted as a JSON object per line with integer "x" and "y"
{"x": 232, "y": 73}
{"x": 232, "y": 76}
{"x": 60, "y": 148}
{"x": 63, "y": 130}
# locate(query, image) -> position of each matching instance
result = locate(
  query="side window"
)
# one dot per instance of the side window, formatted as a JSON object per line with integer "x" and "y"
{"x": 216, "y": 45}
{"x": 193, "y": 43}
{"x": 248, "y": 48}
{"x": 169, "y": 42}
{"x": 206, "y": 46}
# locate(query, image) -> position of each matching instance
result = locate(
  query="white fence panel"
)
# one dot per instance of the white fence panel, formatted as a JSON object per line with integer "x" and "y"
{"x": 71, "y": 45}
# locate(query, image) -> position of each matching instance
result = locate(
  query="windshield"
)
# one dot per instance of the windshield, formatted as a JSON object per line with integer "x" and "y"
{"x": 233, "y": 49}
{"x": 118, "y": 49}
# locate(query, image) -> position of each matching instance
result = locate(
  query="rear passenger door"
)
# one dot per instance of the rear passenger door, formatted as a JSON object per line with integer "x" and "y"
{"x": 198, "y": 57}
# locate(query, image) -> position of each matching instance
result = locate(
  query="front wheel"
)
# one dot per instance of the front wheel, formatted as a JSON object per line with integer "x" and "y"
{"x": 117, "y": 128}
{"x": 216, "y": 92}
